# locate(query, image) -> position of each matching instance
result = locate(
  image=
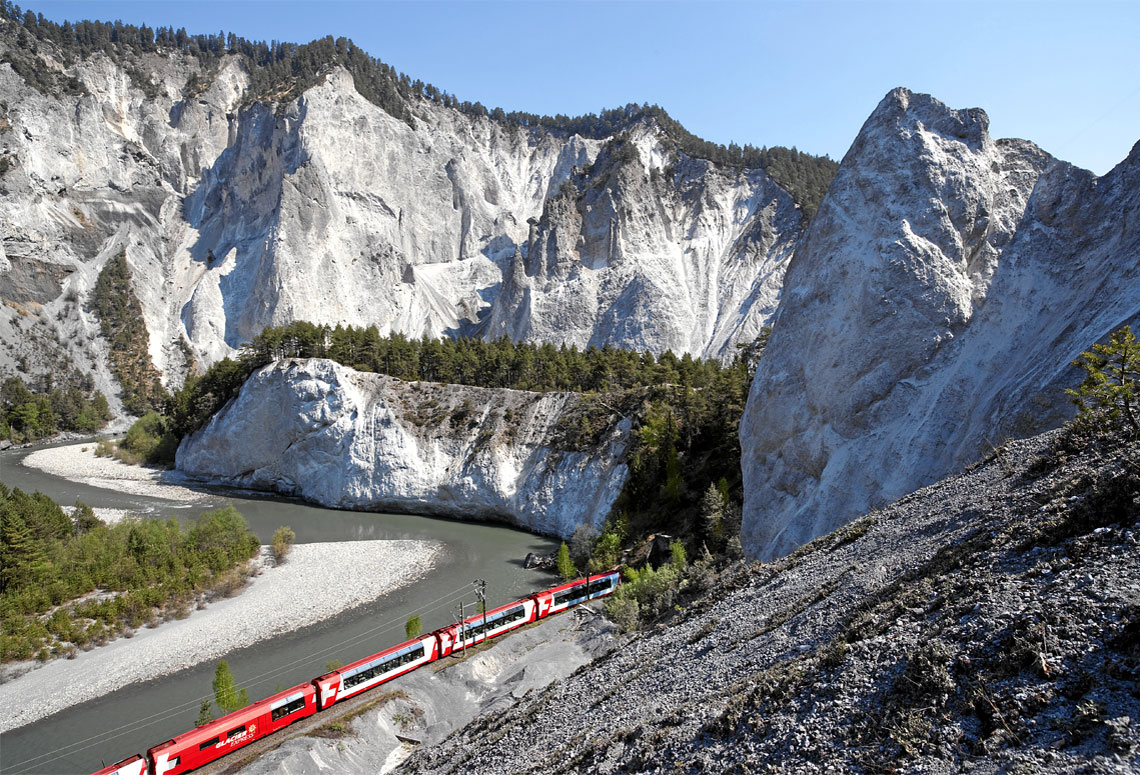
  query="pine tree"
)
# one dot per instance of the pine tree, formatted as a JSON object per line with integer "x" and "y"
{"x": 566, "y": 568}
{"x": 413, "y": 627}
{"x": 227, "y": 696}
{"x": 205, "y": 715}
{"x": 19, "y": 551}
{"x": 712, "y": 511}
{"x": 1108, "y": 396}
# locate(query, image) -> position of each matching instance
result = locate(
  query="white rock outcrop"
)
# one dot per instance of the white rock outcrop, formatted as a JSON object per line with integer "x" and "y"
{"x": 352, "y": 440}
{"x": 932, "y": 309}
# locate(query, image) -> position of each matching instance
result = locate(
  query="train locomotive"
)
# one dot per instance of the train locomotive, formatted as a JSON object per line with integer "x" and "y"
{"x": 200, "y": 746}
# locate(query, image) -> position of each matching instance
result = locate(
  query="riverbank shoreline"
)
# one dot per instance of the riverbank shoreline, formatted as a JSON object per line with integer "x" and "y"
{"x": 78, "y": 463}
{"x": 281, "y": 599}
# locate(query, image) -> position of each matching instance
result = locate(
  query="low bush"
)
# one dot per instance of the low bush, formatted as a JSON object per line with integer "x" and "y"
{"x": 283, "y": 539}
{"x": 647, "y": 594}
{"x": 149, "y": 440}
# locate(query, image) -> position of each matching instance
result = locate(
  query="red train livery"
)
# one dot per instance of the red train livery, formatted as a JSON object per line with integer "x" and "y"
{"x": 218, "y": 738}
{"x": 200, "y": 746}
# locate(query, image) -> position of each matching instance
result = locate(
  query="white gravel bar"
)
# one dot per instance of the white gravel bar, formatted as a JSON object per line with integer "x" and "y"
{"x": 281, "y": 599}
{"x": 78, "y": 463}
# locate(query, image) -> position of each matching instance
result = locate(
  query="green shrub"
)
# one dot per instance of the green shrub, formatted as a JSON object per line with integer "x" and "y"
{"x": 606, "y": 552}
{"x": 149, "y": 440}
{"x": 653, "y": 590}
{"x": 283, "y": 539}
{"x": 678, "y": 559}
{"x": 624, "y": 612}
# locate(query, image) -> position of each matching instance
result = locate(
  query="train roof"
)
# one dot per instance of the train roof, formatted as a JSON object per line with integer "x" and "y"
{"x": 113, "y": 768}
{"x": 230, "y": 720}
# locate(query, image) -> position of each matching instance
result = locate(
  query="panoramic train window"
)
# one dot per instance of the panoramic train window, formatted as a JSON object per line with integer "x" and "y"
{"x": 208, "y": 744}
{"x": 383, "y": 667}
{"x": 567, "y": 595}
{"x": 285, "y": 710}
{"x": 500, "y": 620}
{"x": 235, "y": 732}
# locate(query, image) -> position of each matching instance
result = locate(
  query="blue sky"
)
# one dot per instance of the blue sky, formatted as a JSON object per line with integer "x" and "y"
{"x": 1064, "y": 75}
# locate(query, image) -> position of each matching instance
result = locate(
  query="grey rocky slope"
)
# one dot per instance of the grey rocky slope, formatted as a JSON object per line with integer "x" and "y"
{"x": 327, "y": 209}
{"x": 988, "y": 623}
{"x": 930, "y": 312}
{"x": 318, "y": 430}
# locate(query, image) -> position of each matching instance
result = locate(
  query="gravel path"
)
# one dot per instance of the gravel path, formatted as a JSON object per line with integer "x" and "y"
{"x": 77, "y": 463}
{"x": 281, "y": 599}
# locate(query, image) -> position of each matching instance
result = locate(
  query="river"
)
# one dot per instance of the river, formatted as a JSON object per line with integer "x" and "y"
{"x": 136, "y": 717}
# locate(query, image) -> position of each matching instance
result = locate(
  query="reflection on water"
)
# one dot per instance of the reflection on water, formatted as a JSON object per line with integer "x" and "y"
{"x": 136, "y": 717}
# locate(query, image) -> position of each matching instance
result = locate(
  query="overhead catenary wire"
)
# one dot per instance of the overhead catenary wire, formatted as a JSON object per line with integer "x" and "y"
{"x": 444, "y": 601}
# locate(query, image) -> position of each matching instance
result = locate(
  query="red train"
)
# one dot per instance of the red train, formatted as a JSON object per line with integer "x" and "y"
{"x": 216, "y": 739}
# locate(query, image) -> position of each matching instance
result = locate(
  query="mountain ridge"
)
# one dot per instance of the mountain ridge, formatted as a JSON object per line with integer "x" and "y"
{"x": 931, "y": 311}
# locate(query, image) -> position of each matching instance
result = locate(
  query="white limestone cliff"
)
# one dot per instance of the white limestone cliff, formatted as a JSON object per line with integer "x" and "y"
{"x": 327, "y": 209}
{"x": 932, "y": 310}
{"x": 347, "y": 439}
{"x": 645, "y": 253}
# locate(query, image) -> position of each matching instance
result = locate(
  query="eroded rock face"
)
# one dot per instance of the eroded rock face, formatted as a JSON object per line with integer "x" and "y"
{"x": 346, "y": 439}
{"x": 647, "y": 254}
{"x": 87, "y": 176}
{"x": 329, "y": 210}
{"x": 932, "y": 309}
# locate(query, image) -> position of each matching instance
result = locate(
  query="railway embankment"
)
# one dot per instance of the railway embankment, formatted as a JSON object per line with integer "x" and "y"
{"x": 277, "y": 600}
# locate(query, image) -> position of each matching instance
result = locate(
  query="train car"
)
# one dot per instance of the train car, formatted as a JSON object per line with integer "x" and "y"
{"x": 205, "y": 744}
{"x": 371, "y": 671}
{"x": 556, "y": 600}
{"x": 136, "y": 765}
{"x": 478, "y": 628}
{"x": 232, "y": 731}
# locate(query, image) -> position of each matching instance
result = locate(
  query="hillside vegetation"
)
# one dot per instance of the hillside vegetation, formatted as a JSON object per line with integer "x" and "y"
{"x": 121, "y": 321}
{"x": 72, "y": 404}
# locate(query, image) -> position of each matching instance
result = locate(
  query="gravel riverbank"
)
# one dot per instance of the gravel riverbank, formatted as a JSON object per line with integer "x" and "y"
{"x": 281, "y": 599}
{"x": 78, "y": 463}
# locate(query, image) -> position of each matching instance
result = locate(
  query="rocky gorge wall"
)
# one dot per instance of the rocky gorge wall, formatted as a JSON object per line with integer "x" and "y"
{"x": 347, "y": 439}
{"x": 932, "y": 311}
{"x": 235, "y": 215}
